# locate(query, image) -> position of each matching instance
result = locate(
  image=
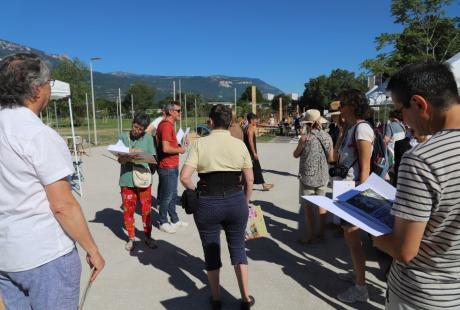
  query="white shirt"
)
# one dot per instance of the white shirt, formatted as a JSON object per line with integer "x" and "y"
{"x": 348, "y": 153}
{"x": 32, "y": 155}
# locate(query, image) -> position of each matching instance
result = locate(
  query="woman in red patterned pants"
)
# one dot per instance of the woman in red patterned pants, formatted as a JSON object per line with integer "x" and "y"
{"x": 131, "y": 191}
{"x": 130, "y": 196}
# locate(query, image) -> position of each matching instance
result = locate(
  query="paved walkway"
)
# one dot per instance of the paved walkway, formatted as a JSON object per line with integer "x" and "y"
{"x": 283, "y": 274}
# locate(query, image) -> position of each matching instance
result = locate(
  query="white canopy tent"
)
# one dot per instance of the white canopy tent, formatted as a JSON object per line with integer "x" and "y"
{"x": 61, "y": 90}
{"x": 454, "y": 63}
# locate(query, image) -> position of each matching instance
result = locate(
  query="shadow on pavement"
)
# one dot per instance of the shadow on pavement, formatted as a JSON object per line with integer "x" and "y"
{"x": 311, "y": 268}
{"x": 183, "y": 269}
{"x": 186, "y": 274}
{"x": 283, "y": 173}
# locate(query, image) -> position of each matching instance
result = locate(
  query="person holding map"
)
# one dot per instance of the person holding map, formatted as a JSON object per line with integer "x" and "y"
{"x": 132, "y": 190}
{"x": 425, "y": 242}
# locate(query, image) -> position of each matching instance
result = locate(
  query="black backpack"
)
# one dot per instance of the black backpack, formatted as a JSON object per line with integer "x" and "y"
{"x": 380, "y": 163}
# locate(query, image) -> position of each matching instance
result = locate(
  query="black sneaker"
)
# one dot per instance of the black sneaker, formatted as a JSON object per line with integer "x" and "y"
{"x": 246, "y": 305}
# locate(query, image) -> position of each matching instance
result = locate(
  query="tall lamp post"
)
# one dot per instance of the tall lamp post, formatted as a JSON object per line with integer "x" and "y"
{"x": 92, "y": 96}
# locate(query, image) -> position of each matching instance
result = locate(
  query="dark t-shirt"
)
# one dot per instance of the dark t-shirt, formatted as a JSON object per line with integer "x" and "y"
{"x": 165, "y": 132}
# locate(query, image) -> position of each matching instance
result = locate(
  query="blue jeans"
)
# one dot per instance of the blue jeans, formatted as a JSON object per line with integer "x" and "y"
{"x": 52, "y": 286}
{"x": 167, "y": 194}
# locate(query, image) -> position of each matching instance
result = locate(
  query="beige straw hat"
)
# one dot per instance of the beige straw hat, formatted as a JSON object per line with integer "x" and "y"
{"x": 312, "y": 116}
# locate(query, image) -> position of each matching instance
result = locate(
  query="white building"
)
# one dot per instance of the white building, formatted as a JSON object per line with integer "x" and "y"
{"x": 269, "y": 96}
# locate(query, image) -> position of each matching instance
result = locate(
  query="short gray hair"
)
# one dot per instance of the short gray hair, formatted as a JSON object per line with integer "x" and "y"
{"x": 20, "y": 75}
{"x": 170, "y": 106}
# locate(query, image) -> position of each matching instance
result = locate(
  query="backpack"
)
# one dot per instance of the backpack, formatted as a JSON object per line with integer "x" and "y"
{"x": 380, "y": 163}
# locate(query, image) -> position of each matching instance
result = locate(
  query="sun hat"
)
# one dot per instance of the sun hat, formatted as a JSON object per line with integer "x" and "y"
{"x": 312, "y": 116}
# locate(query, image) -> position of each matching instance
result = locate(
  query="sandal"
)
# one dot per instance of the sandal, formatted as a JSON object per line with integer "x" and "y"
{"x": 246, "y": 305}
{"x": 215, "y": 304}
{"x": 151, "y": 243}
{"x": 129, "y": 245}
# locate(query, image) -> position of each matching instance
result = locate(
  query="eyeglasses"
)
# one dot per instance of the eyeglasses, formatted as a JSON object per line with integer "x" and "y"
{"x": 51, "y": 82}
{"x": 178, "y": 110}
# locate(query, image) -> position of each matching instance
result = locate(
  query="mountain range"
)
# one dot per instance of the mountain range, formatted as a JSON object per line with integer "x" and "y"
{"x": 213, "y": 88}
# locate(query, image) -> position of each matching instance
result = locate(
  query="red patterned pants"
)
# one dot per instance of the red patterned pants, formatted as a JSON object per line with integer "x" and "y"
{"x": 130, "y": 196}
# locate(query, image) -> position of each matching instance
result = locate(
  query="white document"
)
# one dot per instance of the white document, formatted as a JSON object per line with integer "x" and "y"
{"x": 180, "y": 135}
{"x": 338, "y": 188}
{"x": 137, "y": 157}
{"x": 366, "y": 206}
{"x": 118, "y": 149}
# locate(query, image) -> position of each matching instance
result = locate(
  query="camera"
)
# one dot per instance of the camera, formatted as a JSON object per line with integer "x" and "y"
{"x": 339, "y": 171}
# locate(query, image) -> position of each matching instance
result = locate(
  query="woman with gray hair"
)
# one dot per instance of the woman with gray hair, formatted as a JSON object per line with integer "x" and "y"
{"x": 40, "y": 220}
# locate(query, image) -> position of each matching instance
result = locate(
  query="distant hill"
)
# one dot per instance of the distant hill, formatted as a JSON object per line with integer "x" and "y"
{"x": 216, "y": 87}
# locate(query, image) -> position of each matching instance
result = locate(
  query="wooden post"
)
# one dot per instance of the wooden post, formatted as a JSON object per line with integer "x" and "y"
{"x": 254, "y": 97}
{"x": 281, "y": 109}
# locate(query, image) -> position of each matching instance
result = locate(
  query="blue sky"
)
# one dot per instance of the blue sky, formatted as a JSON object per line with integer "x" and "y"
{"x": 283, "y": 43}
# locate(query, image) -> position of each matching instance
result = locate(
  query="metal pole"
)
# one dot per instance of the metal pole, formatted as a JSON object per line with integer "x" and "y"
{"x": 55, "y": 115}
{"x": 77, "y": 161}
{"x": 235, "y": 102}
{"x": 174, "y": 90}
{"x": 87, "y": 119}
{"x": 180, "y": 103}
{"x": 92, "y": 101}
{"x": 196, "y": 123}
{"x": 132, "y": 105}
{"x": 121, "y": 112}
{"x": 185, "y": 107}
{"x": 118, "y": 113}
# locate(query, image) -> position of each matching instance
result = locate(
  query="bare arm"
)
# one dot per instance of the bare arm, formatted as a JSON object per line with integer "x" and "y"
{"x": 330, "y": 154}
{"x": 300, "y": 147}
{"x": 169, "y": 149}
{"x": 186, "y": 176}
{"x": 249, "y": 179}
{"x": 364, "y": 159}
{"x": 252, "y": 147}
{"x": 69, "y": 214}
{"x": 403, "y": 243}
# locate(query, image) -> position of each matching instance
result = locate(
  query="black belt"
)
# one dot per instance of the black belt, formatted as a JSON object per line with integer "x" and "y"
{"x": 219, "y": 183}
{"x": 219, "y": 193}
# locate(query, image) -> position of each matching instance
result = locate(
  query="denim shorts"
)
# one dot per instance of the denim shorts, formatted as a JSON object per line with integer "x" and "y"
{"x": 52, "y": 286}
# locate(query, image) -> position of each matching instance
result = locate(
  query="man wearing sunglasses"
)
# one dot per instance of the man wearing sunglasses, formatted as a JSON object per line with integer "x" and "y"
{"x": 168, "y": 171}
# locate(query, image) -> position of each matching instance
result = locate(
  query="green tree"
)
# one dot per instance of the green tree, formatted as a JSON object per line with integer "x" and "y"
{"x": 143, "y": 95}
{"x": 74, "y": 72}
{"x": 246, "y": 96}
{"x": 320, "y": 91}
{"x": 428, "y": 35}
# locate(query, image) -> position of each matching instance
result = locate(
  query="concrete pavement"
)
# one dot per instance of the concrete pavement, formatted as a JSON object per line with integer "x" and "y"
{"x": 283, "y": 273}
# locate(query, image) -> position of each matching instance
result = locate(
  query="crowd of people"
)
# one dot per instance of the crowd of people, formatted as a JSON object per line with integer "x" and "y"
{"x": 40, "y": 221}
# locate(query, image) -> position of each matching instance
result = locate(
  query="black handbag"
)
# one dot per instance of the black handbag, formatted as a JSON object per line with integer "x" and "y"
{"x": 190, "y": 201}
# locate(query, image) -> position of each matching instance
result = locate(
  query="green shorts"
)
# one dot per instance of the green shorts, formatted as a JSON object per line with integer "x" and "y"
{"x": 307, "y": 190}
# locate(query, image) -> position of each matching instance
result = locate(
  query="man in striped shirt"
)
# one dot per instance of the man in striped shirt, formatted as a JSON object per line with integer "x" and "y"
{"x": 425, "y": 242}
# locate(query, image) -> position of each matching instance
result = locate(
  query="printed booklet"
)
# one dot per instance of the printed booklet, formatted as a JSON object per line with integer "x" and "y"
{"x": 366, "y": 206}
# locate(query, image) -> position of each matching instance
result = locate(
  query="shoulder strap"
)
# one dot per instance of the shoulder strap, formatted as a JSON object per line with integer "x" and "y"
{"x": 322, "y": 145}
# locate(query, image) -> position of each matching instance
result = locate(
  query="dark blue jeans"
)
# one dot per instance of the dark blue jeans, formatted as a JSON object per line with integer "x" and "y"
{"x": 217, "y": 212}
{"x": 167, "y": 193}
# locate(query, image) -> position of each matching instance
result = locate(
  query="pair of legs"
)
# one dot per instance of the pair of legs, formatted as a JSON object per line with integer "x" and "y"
{"x": 230, "y": 213}
{"x": 167, "y": 194}
{"x": 52, "y": 286}
{"x": 352, "y": 236}
{"x": 130, "y": 196}
{"x": 258, "y": 177}
{"x": 309, "y": 216}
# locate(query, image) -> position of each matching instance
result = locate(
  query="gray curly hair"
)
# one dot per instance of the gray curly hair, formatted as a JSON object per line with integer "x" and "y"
{"x": 20, "y": 74}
